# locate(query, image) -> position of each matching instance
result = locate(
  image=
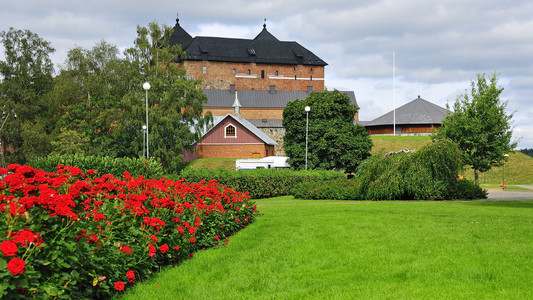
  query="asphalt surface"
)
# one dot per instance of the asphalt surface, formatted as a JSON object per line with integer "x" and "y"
{"x": 499, "y": 195}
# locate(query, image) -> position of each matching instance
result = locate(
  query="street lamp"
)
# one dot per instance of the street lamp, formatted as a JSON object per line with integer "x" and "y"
{"x": 307, "y": 109}
{"x": 144, "y": 140}
{"x": 503, "y": 170}
{"x": 146, "y": 87}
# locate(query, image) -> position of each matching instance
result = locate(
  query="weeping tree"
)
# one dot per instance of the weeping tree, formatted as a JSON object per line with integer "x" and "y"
{"x": 480, "y": 125}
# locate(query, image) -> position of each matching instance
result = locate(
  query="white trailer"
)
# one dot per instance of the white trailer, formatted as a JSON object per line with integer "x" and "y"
{"x": 269, "y": 162}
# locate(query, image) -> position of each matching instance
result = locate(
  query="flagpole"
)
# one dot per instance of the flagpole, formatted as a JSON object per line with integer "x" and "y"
{"x": 394, "y": 90}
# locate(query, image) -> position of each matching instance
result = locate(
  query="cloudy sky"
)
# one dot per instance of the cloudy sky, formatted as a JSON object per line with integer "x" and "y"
{"x": 439, "y": 46}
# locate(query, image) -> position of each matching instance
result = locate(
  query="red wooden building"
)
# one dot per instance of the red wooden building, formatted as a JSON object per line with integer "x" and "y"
{"x": 233, "y": 137}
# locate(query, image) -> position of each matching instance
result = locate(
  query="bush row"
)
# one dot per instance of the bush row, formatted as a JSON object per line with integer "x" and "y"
{"x": 430, "y": 173}
{"x": 105, "y": 165}
{"x": 261, "y": 183}
{"x": 75, "y": 235}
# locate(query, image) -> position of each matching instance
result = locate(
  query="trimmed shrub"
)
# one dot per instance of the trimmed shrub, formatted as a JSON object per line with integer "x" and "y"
{"x": 105, "y": 165}
{"x": 336, "y": 189}
{"x": 260, "y": 183}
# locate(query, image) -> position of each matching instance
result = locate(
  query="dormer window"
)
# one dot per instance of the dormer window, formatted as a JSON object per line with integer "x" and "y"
{"x": 230, "y": 131}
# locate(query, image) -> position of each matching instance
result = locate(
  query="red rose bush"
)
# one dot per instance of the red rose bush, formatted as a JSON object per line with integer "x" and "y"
{"x": 69, "y": 234}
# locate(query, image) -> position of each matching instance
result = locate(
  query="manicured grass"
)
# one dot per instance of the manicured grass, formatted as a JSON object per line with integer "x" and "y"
{"x": 339, "y": 250}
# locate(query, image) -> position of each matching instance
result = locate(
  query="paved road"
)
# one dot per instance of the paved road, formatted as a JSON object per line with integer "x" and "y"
{"x": 511, "y": 195}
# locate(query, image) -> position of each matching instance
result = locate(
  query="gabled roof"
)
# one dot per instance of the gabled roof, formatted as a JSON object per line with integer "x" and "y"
{"x": 264, "y": 49}
{"x": 261, "y": 135}
{"x": 418, "y": 111}
{"x": 260, "y": 99}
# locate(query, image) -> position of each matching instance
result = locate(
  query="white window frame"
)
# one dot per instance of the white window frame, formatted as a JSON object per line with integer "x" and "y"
{"x": 230, "y": 136}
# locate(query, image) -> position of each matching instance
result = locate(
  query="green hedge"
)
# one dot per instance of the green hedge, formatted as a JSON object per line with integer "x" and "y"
{"x": 260, "y": 183}
{"x": 105, "y": 165}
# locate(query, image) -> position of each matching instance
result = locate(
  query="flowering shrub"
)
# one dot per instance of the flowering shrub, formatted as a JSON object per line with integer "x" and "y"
{"x": 70, "y": 234}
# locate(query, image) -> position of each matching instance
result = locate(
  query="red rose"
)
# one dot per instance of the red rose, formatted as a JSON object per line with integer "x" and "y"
{"x": 119, "y": 286}
{"x": 8, "y": 248}
{"x": 131, "y": 276}
{"x": 163, "y": 248}
{"x": 192, "y": 239}
{"x": 16, "y": 266}
{"x": 154, "y": 238}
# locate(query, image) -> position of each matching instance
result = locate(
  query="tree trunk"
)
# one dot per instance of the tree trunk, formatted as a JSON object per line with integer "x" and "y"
{"x": 476, "y": 176}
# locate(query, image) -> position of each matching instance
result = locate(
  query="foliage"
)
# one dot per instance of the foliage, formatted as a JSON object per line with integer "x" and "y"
{"x": 430, "y": 173}
{"x": 334, "y": 142}
{"x": 527, "y": 151}
{"x": 337, "y": 189}
{"x": 480, "y": 125}
{"x": 260, "y": 183}
{"x": 26, "y": 77}
{"x": 176, "y": 102}
{"x": 105, "y": 165}
{"x": 70, "y": 142}
{"x": 73, "y": 235}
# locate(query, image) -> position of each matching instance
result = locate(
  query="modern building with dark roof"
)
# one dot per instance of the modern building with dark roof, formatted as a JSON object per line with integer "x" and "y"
{"x": 418, "y": 117}
{"x": 249, "y": 64}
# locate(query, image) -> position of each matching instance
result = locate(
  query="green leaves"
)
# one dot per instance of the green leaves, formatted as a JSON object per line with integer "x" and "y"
{"x": 334, "y": 142}
{"x": 480, "y": 125}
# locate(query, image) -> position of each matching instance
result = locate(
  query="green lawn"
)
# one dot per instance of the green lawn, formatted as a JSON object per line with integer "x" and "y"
{"x": 339, "y": 250}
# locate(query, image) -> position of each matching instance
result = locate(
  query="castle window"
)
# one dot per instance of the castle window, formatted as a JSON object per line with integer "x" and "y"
{"x": 262, "y": 74}
{"x": 311, "y": 69}
{"x": 294, "y": 77}
{"x": 230, "y": 131}
{"x": 233, "y": 71}
{"x": 248, "y": 72}
{"x": 277, "y": 73}
{"x": 204, "y": 70}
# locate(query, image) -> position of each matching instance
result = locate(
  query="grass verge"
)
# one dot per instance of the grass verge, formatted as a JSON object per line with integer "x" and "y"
{"x": 337, "y": 250}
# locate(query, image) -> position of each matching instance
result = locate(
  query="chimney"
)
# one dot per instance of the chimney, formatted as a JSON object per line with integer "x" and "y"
{"x": 309, "y": 89}
{"x": 272, "y": 89}
{"x": 232, "y": 88}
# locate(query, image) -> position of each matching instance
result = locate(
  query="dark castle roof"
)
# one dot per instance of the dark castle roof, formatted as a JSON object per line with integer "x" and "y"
{"x": 418, "y": 111}
{"x": 263, "y": 49}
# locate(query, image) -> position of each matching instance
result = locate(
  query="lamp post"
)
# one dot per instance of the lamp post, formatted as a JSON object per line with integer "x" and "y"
{"x": 146, "y": 87}
{"x": 307, "y": 109}
{"x": 144, "y": 140}
{"x": 503, "y": 170}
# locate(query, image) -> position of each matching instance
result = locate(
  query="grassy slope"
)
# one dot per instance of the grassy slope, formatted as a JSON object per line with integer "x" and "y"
{"x": 351, "y": 250}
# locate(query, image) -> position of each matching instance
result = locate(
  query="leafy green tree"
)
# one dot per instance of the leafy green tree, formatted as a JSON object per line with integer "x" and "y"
{"x": 334, "y": 141}
{"x": 480, "y": 125}
{"x": 87, "y": 96}
{"x": 70, "y": 142}
{"x": 26, "y": 76}
{"x": 175, "y": 102}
